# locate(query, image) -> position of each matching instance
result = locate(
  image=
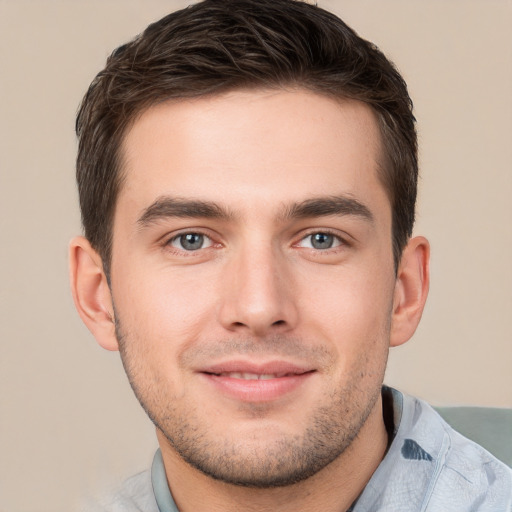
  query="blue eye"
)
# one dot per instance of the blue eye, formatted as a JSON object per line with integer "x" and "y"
{"x": 320, "y": 241}
{"x": 191, "y": 241}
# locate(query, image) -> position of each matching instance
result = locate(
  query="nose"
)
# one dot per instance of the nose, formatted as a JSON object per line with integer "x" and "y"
{"x": 257, "y": 294}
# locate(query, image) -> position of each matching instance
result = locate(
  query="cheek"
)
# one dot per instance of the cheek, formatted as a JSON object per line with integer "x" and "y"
{"x": 164, "y": 311}
{"x": 352, "y": 309}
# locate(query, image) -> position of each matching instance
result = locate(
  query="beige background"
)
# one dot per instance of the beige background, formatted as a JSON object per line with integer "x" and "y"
{"x": 68, "y": 422}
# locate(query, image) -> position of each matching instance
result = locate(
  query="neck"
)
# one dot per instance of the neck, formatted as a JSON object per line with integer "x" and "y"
{"x": 334, "y": 488}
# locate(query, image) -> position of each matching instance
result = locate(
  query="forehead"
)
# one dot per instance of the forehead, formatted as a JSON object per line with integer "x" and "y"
{"x": 269, "y": 147}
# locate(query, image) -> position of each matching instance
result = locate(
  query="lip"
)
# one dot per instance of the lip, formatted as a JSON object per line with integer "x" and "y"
{"x": 279, "y": 379}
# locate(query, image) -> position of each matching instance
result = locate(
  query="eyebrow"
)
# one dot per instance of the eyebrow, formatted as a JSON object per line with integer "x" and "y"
{"x": 325, "y": 206}
{"x": 165, "y": 207}
{"x": 168, "y": 207}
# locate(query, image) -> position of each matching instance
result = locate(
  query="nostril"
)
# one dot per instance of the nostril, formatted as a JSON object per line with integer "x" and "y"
{"x": 279, "y": 322}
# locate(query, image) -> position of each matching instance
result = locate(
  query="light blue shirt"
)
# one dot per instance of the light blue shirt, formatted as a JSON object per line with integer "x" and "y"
{"x": 429, "y": 467}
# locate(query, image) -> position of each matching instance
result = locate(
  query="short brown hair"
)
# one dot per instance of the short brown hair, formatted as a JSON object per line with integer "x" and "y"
{"x": 218, "y": 45}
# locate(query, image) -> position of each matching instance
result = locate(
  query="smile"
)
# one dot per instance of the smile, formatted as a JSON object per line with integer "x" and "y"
{"x": 254, "y": 376}
{"x": 246, "y": 382}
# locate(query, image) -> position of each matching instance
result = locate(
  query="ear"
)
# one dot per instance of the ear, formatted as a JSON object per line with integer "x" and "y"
{"x": 91, "y": 292}
{"x": 411, "y": 290}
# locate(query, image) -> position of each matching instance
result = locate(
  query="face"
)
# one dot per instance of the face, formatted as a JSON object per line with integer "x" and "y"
{"x": 253, "y": 279}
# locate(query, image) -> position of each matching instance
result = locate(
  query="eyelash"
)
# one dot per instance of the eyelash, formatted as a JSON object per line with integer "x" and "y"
{"x": 340, "y": 242}
{"x": 168, "y": 244}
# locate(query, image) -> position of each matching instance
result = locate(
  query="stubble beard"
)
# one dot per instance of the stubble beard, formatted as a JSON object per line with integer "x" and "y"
{"x": 286, "y": 460}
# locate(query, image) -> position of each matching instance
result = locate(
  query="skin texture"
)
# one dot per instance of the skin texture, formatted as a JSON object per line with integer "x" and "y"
{"x": 262, "y": 182}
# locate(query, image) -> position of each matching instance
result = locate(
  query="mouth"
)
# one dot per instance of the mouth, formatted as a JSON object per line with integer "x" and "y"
{"x": 249, "y": 382}
{"x": 253, "y": 376}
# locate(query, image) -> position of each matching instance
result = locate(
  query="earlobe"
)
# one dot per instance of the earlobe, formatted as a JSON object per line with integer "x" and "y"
{"x": 91, "y": 292}
{"x": 411, "y": 290}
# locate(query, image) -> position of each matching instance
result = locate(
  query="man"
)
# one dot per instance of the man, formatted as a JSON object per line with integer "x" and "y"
{"x": 247, "y": 173}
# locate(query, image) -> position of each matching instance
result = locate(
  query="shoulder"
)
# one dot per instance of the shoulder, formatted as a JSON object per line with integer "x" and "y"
{"x": 134, "y": 495}
{"x": 466, "y": 474}
{"x": 472, "y": 473}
